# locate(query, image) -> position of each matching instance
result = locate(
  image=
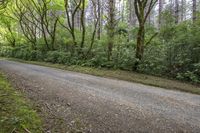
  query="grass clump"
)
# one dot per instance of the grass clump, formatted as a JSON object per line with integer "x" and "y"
{"x": 16, "y": 115}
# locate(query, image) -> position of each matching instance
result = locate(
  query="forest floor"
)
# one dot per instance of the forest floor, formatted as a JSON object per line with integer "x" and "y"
{"x": 16, "y": 111}
{"x": 74, "y": 102}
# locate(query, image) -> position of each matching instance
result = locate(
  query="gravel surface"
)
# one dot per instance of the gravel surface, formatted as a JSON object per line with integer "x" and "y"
{"x": 75, "y": 102}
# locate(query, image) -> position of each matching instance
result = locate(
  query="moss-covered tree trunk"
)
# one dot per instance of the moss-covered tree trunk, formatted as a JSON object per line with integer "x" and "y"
{"x": 140, "y": 43}
{"x": 142, "y": 11}
{"x": 111, "y": 26}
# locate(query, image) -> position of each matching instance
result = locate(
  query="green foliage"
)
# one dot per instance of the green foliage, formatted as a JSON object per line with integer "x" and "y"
{"x": 57, "y": 57}
{"x": 22, "y": 53}
{"x": 174, "y": 52}
{"x": 183, "y": 51}
{"x": 153, "y": 61}
{"x": 15, "y": 113}
{"x": 6, "y": 51}
{"x": 189, "y": 76}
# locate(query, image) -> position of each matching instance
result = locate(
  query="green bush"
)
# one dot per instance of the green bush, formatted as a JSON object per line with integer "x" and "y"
{"x": 36, "y": 55}
{"x": 58, "y": 57}
{"x": 6, "y": 51}
{"x": 153, "y": 61}
{"x": 52, "y": 56}
{"x": 188, "y": 76}
{"x": 22, "y": 53}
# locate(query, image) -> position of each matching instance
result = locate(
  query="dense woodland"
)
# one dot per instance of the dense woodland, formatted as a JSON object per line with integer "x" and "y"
{"x": 159, "y": 37}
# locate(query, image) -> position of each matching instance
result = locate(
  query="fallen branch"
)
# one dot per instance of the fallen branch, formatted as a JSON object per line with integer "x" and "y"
{"x": 25, "y": 129}
{"x": 13, "y": 131}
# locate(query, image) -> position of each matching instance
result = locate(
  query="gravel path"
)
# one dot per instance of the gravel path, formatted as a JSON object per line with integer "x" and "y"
{"x": 75, "y": 102}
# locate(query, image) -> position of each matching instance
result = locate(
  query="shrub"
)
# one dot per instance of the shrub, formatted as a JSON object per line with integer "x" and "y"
{"x": 57, "y": 57}
{"x": 36, "y": 55}
{"x": 188, "y": 76}
{"x": 6, "y": 51}
{"x": 22, "y": 53}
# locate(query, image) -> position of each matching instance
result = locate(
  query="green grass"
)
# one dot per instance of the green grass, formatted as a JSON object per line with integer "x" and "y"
{"x": 16, "y": 114}
{"x": 125, "y": 75}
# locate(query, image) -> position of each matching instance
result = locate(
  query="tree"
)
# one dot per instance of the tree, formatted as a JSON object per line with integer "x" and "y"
{"x": 35, "y": 16}
{"x": 71, "y": 8}
{"x": 9, "y": 30}
{"x": 142, "y": 15}
{"x": 176, "y": 13}
{"x": 97, "y": 17}
{"x": 182, "y": 8}
{"x": 83, "y": 23}
{"x": 194, "y": 8}
{"x": 131, "y": 19}
{"x": 160, "y": 8}
{"x": 111, "y": 24}
{"x": 27, "y": 24}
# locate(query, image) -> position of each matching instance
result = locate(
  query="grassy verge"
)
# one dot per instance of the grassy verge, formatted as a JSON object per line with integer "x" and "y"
{"x": 16, "y": 115}
{"x": 125, "y": 75}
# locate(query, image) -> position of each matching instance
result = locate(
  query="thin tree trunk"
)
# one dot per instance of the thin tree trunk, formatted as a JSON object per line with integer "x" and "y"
{"x": 83, "y": 23}
{"x": 99, "y": 22}
{"x": 160, "y": 11}
{"x": 96, "y": 22}
{"x": 182, "y": 10}
{"x": 194, "y": 8}
{"x": 176, "y": 11}
{"x": 111, "y": 27}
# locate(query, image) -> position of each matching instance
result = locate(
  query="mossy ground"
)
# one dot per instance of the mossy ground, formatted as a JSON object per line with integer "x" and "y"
{"x": 16, "y": 113}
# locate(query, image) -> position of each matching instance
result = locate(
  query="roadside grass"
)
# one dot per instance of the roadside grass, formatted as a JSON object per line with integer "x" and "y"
{"x": 124, "y": 75}
{"x": 16, "y": 114}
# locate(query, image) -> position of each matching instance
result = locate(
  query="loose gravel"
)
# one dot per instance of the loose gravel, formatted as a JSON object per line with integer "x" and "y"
{"x": 75, "y": 102}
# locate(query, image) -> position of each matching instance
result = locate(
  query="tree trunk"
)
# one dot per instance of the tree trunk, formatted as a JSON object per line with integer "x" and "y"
{"x": 176, "y": 11}
{"x": 140, "y": 45}
{"x": 142, "y": 10}
{"x": 194, "y": 8}
{"x": 182, "y": 10}
{"x": 83, "y": 23}
{"x": 132, "y": 19}
{"x": 99, "y": 22}
{"x": 111, "y": 27}
{"x": 96, "y": 23}
{"x": 160, "y": 12}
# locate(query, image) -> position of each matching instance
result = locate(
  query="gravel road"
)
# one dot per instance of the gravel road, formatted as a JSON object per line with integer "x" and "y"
{"x": 75, "y": 102}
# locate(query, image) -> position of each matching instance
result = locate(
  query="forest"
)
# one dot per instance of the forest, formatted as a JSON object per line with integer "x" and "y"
{"x": 156, "y": 37}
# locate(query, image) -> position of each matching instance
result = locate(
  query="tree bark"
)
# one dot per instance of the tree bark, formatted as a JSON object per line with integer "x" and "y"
{"x": 111, "y": 27}
{"x": 194, "y": 8}
{"x": 96, "y": 22}
{"x": 71, "y": 20}
{"x": 140, "y": 42}
{"x": 176, "y": 11}
{"x": 99, "y": 22}
{"x": 160, "y": 12}
{"x": 142, "y": 9}
{"x": 83, "y": 23}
